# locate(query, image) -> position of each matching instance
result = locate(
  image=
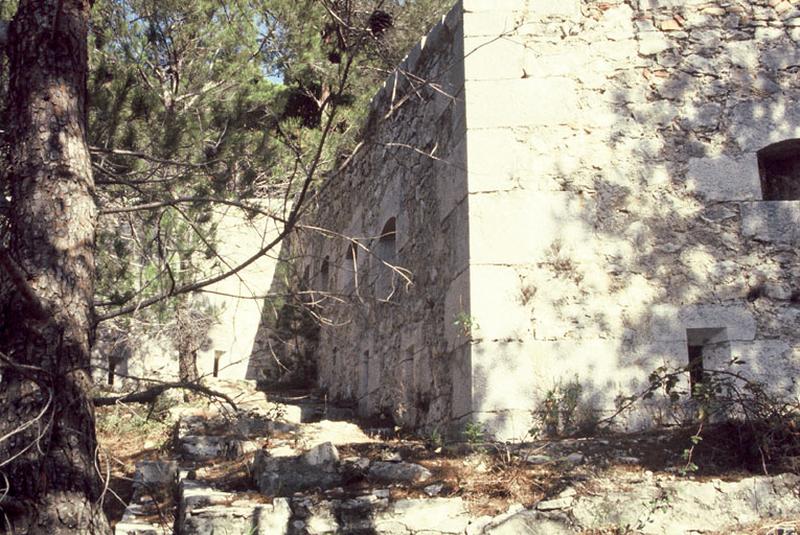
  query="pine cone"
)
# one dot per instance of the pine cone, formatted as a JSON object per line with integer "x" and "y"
{"x": 380, "y": 21}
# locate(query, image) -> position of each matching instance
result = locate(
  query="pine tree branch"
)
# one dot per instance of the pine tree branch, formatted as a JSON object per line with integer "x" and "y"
{"x": 150, "y": 394}
{"x": 288, "y": 225}
{"x": 186, "y": 200}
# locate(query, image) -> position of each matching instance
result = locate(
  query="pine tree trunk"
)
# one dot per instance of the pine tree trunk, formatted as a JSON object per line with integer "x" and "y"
{"x": 186, "y": 335}
{"x": 47, "y": 280}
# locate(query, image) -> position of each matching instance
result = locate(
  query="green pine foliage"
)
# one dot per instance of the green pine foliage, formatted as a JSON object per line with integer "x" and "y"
{"x": 215, "y": 100}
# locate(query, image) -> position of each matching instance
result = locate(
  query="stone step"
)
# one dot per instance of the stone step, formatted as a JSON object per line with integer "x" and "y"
{"x": 203, "y": 437}
{"x": 138, "y": 519}
{"x": 204, "y": 510}
{"x": 375, "y": 513}
{"x": 153, "y": 502}
{"x": 205, "y": 448}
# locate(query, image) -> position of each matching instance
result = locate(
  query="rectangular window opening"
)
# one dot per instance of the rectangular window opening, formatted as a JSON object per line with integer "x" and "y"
{"x": 707, "y": 348}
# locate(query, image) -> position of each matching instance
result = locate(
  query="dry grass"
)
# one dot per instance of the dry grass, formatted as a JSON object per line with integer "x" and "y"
{"x": 230, "y": 475}
{"x": 489, "y": 480}
{"x": 489, "y": 484}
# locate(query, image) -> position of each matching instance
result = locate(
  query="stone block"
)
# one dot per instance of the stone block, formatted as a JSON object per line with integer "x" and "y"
{"x": 670, "y": 322}
{"x": 137, "y": 520}
{"x": 325, "y": 457}
{"x": 480, "y": 61}
{"x": 207, "y": 511}
{"x": 452, "y": 19}
{"x": 201, "y": 448}
{"x": 501, "y": 223}
{"x": 616, "y": 23}
{"x": 654, "y": 114}
{"x": 524, "y": 102}
{"x": 769, "y": 362}
{"x": 374, "y": 513}
{"x": 432, "y": 515}
{"x": 693, "y": 505}
{"x": 155, "y": 474}
{"x": 335, "y": 432}
{"x": 772, "y": 221}
{"x": 758, "y": 123}
{"x": 743, "y": 54}
{"x": 283, "y": 476}
{"x": 652, "y": 43}
{"x": 503, "y": 376}
{"x": 498, "y": 23}
{"x": 497, "y": 304}
{"x": 724, "y": 178}
{"x": 505, "y": 424}
{"x": 500, "y": 159}
{"x": 781, "y": 57}
{"x": 645, "y": 5}
{"x": 528, "y": 522}
{"x": 392, "y": 472}
{"x": 477, "y": 6}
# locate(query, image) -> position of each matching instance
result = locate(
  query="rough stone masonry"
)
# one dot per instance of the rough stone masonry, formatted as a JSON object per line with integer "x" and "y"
{"x": 578, "y": 192}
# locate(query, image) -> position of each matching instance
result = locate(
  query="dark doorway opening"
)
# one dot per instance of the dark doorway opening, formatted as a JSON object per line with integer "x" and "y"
{"x": 779, "y": 167}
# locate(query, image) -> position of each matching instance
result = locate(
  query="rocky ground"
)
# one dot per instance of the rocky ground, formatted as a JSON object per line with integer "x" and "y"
{"x": 296, "y": 467}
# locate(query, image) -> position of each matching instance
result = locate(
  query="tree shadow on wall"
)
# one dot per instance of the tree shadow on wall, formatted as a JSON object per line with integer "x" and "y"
{"x": 649, "y": 244}
{"x": 287, "y": 335}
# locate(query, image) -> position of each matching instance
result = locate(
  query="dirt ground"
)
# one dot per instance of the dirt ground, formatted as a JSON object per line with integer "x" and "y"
{"x": 489, "y": 476}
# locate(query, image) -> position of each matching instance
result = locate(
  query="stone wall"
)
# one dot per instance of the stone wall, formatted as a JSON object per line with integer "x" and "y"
{"x": 401, "y": 202}
{"x": 239, "y": 299}
{"x": 230, "y": 350}
{"x": 592, "y": 208}
{"x": 623, "y": 153}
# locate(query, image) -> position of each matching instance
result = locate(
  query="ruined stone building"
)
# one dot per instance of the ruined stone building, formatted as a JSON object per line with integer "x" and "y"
{"x": 576, "y": 192}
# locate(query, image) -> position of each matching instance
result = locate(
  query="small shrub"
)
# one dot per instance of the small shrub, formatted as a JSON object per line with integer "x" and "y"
{"x": 758, "y": 424}
{"x": 559, "y": 412}
{"x": 435, "y": 439}
{"x": 465, "y": 323}
{"x": 474, "y": 433}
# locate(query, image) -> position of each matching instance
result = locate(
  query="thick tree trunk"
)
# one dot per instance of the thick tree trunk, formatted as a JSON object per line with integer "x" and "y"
{"x": 187, "y": 365}
{"x": 47, "y": 436}
{"x": 188, "y": 336}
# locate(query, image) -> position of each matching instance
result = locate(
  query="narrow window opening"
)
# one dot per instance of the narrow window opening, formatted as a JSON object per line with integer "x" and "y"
{"x": 363, "y": 383}
{"x": 324, "y": 274}
{"x": 409, "y": 386}
{"x": 112, "y": 366}
{"x": 217, "y": 357}
{"x": 387, "y": 253}
{"x": 350, "y": 266}
{"x": 408, "y": 370}
{"x": 387, "y": 239}
{"x": 779, "y": 167}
